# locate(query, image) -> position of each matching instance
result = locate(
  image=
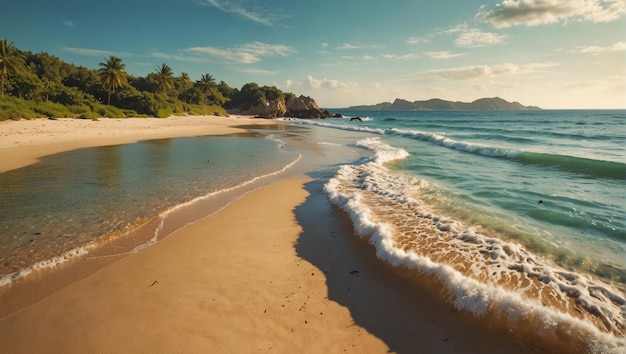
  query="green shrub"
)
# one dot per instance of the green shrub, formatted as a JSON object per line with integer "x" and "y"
{"x": 88, "y": 115}
{"x": 14, "y": 108}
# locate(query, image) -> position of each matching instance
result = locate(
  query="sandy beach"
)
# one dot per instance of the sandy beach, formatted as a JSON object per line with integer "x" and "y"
{"x": 276, "y": 271}
{"x": 23, "y": 142}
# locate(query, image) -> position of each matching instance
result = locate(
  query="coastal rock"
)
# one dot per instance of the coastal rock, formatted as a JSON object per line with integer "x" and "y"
{"x": 305, "y": 107}
{"x": 301, "y": 107}
{"x": 271, "y": 109}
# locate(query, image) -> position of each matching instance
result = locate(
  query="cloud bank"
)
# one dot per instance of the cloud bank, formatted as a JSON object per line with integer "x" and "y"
{"x": 617, "y": 47}
{"x": 262, "y": 17}
{"x": 246, "y": 54}
{"x": 538, "y": 12}
{"x": 473, "y": 37}
{"x": 483, "y": 71}
{"x": 89, "y": 52}
{"x": 444, "y": 55}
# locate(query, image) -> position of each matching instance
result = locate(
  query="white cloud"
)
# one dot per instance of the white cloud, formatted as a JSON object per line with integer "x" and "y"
{"x": 245, "y": 54}
{"x": 444, "y": 55}
{"x": 614, "y": 10}
{"x": 416, "y": 40}
{"x": 68, "y": 23}
{"x": 401, "y": 57}
{"x": 537, "y": 12}
{"x": 259, "y": 72}
{"x": 348, "y": 46}
{"x": 473, "y": 37}
{"x": 87, "y": 51}
{"x": 617, "y": 47}
{"x": 333, "y": 92}
{"x": 312, "y": 83}
{"x": 482, "y": 71}
{"x": 324, "y": 45}
{"x": 192, "y": 59}
{"x": 478, "y": 38}
{"x": 261, "y": 15}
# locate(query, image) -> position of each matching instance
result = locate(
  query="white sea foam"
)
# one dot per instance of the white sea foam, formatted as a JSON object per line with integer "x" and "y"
{"x": 481, "y": 274}
{"x": 383, "y": 153}
{"x": 50, "y": 263}
{"x": 435, "y": 138}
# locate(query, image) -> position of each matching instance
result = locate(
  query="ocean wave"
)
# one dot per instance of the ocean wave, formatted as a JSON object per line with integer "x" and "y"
{"x": 482, "y": 275}
{"x": 583, "y": 166}
{"x": 383, "y": 153}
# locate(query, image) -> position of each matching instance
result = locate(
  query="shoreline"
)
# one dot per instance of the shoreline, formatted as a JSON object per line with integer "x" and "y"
{"x": 24, "y": 142}
{"x": 263, "y": 274}
{"x": 274, "y": 280}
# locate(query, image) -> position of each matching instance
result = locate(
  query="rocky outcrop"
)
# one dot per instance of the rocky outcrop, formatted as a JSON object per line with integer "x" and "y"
{"x": 271, "y": 109}
{"x": 301, "y": 107}
{"x": 305, "y": 107}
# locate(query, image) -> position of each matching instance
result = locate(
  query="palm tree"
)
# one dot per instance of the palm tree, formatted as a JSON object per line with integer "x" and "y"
{"x": 207, "y": 84}
{"x": 183, "y": 84}
{"x": 10, "y": 60}
{"x": 185, "y": 77}
{"x": 112, "y": 75}
{"x": 164, "y": 78}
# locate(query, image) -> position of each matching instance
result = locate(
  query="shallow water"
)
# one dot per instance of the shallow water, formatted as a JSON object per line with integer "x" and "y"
{"x": 76, "y": 200}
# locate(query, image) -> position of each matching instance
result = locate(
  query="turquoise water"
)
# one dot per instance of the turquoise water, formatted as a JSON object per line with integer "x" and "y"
{"x": 519, "y": 211}
{"x": 68, "y": 203}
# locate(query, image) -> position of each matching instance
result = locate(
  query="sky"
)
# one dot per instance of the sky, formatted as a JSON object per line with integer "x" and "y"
{"x": 555, "y": 54}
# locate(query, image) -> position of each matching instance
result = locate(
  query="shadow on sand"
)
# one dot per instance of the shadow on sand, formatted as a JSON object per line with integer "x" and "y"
{"x": 408, "y": 316}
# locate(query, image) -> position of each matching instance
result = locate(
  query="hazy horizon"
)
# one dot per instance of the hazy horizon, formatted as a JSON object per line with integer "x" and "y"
{"x": 552, "y": 54}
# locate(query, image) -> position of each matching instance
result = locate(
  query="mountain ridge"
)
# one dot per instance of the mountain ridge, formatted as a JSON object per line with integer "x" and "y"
{"x": 492, "y": 103}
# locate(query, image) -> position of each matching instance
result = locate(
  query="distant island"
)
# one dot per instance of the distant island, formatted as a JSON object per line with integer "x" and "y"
{"x": 495, "y": 103}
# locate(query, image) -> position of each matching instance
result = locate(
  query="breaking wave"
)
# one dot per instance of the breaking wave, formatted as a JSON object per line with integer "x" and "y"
{"x": 480, "y": 274}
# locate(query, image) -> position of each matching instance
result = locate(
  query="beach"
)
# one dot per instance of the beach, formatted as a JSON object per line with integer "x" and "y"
{"x": 23, "y": 142}
{"x": 277, "y": 270}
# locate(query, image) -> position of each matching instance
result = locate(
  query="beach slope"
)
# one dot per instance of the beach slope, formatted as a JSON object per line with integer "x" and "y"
{"x": 229, "y": 283}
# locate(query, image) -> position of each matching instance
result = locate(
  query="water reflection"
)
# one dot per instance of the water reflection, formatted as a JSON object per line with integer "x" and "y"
{"x": 73, "y": 198}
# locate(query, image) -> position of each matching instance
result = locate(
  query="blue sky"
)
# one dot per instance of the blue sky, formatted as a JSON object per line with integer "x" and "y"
{"x": 549, "y": 53}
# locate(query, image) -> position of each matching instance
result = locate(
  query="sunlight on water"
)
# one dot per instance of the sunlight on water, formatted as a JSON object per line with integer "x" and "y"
{"x": 70, "y": 200}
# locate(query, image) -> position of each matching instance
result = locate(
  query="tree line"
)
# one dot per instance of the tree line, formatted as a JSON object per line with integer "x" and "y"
{"x": 39, "y": 85}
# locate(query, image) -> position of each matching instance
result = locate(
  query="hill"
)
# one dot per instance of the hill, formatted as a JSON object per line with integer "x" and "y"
{"x": 495, "y": 103}
{"x": 34, "y": 85}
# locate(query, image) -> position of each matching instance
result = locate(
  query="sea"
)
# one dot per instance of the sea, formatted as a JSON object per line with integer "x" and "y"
{"x": 519, "y": 216}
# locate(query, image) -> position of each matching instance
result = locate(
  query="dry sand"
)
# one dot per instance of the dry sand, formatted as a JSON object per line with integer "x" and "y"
{"x": 23, "y": 142}
{"x": 279, "y": 270}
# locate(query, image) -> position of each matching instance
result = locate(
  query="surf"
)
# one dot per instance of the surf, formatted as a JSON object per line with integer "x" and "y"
{"x": 479, "y": 273}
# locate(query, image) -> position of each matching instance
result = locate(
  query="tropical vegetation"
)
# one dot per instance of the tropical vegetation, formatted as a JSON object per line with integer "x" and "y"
{"x": 41, "y": 85}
